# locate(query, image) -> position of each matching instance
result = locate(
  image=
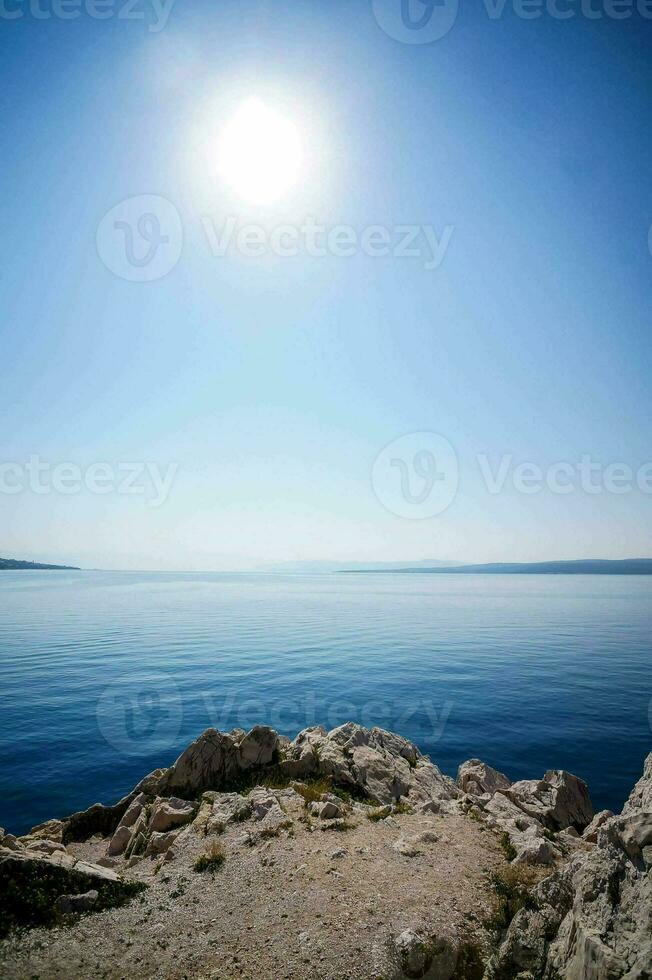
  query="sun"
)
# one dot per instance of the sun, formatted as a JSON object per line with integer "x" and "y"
{"x": 259, "y": 153}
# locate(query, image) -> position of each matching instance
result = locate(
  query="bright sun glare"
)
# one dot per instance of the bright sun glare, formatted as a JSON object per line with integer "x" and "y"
{"x": 259, "y": 153}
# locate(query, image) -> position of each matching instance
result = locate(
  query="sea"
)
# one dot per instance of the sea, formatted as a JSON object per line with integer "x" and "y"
{"x": 105, "y": 676}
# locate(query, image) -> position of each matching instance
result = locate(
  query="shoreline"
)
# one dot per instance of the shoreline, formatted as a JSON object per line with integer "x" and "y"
{"x": 331, "y": 810}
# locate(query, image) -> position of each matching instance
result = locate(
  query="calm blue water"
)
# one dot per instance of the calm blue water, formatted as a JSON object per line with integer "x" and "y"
{"x": 106, "y": 675}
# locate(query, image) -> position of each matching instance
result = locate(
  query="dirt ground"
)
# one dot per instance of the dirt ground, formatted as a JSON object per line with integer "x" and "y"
{"x": 308, "y": 903}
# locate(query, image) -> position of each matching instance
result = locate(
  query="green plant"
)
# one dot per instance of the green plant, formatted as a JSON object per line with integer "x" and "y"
{"x": 340, "y": 825}
{"x": 313, "y": 790}
{"x": 268, "y": 832}
{"x": 508, "y": 848}
{"x": 470, "y": 962}
{"x": 212, "y": 858}
{"x": 29, "y": 890}
{"x": 513, "y": 889}
{"x": 402, "y": 806}
{"x": 375, "y": 815}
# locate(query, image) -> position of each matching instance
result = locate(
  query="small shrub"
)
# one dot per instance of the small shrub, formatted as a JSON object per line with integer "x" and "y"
{"x": 403, "y": 807}
{"x": 375, "y": 815}
{"x": 212, "y": 858}
{"x": 513, "y": 888}
{"x": 508, "y": 848}
{"x": 29, "y": 890}
{"x": 470, "y": 961}
{"x": 313, "y": 791}
{"x": 340, "y": 825}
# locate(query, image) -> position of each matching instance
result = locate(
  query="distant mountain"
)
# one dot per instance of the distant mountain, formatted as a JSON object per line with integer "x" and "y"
{"x": 7, "y": 564}
{"x": 582, "y": 566}
{"x": 354, "y": 566}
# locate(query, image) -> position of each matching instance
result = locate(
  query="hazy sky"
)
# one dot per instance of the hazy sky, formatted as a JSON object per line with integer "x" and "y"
{"x": 270, "y": 384}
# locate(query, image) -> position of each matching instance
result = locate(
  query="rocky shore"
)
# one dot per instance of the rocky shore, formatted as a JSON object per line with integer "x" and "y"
{"x": 341, "y": 854}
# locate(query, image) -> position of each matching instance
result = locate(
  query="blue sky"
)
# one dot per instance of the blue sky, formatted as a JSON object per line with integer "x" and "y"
{"x": 271, "y": 384}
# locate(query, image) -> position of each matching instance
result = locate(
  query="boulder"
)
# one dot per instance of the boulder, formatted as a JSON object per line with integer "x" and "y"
{"x": 50, "y": 830}
{"x": 502, "y": 813}
{"x": 300, "y": 758}
{"x": 476, "y": 778}
{"x": 209, "y": 762}
{"x": 42, "y": 846}
{"x": 119, "y": 841}
{"x": 74, "y": 904}
{"x": 590, "y": 832}
{"x": 216, "y": 758}
{"x": 414, "y": 844}
{"x": 169, "y": 813}
{"x": 59, "y": 864}
{"x": 226, "y": 808}
{"x": 159, "y": 843}
{"x": 532, "y": 850}
{"x": 416, "y": 954}
{"x": 266, "y": 809}
{"x": 325, "y": 810}
{"x": 133, "y": 811}
{"x": 559, "y": 800}
{"x": 257, "y": 748}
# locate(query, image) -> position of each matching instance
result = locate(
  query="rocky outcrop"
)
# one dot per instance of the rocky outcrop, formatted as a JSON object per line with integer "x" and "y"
{"x": 559, "y": 800}
{"x": 216, "y": 759}
{"x": 640, "y": 799}
{"x": 372, "y": 763}
{"x": 592, "y": 919}
{"x": 476, "y": 777}
{"x": 589, "y": 919}
{"x": 531, "y": 812}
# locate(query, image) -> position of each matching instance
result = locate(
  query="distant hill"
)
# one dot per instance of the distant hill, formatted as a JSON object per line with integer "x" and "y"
{"x": 361, "y": 566}
{"x": 582, "y": 566}
{"x": 8, "y": 564}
